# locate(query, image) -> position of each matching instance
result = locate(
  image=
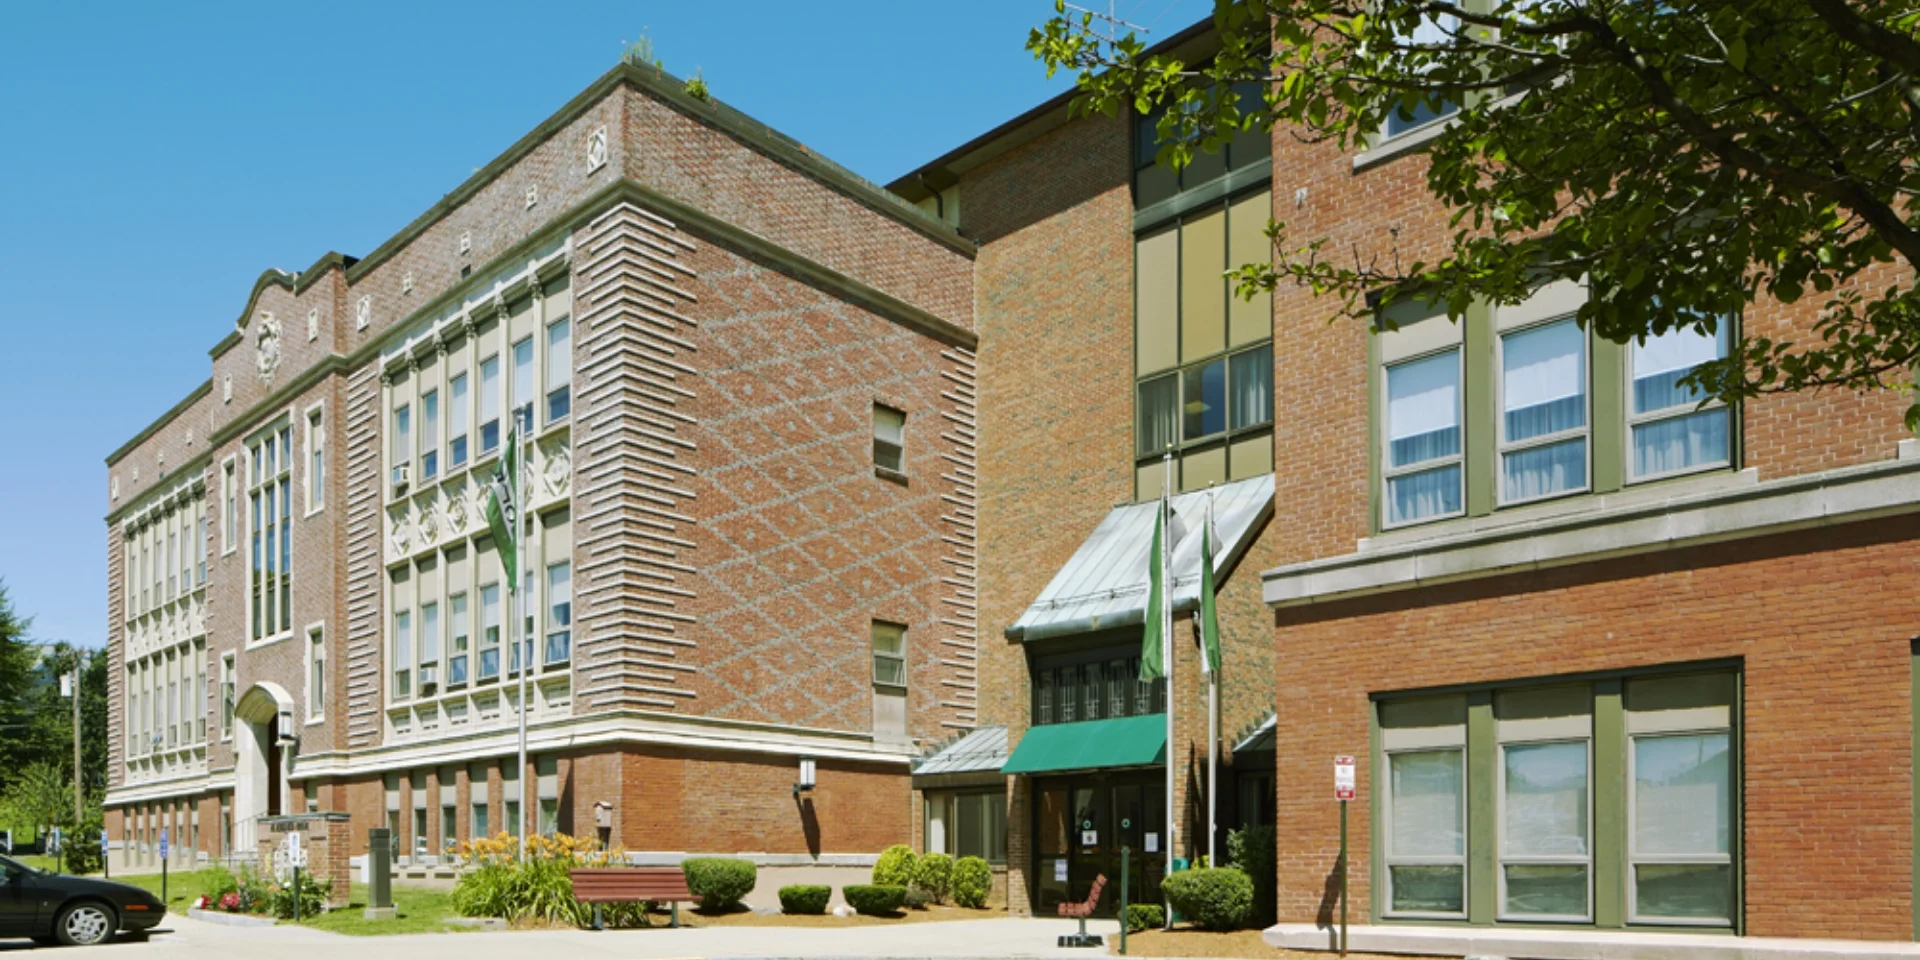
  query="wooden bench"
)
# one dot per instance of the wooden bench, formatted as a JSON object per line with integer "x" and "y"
{"x": 1081, "y": 911}
{"x": 631, "y": 885}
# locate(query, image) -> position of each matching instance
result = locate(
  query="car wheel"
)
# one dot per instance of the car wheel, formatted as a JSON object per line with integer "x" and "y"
{"x": 84, "y": 924}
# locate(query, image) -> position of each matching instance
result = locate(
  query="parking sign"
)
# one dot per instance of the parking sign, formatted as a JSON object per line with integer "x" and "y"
{"x": 163, "y": 843}
{"x": 1343, "y": 778}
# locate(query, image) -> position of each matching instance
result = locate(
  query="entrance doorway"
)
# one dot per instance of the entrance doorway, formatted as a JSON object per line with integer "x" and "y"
{"x": 260, "y": 761}
{"x": 1082, "y": 821}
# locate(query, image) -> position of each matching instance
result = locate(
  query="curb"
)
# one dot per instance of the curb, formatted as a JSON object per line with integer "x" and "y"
{"x": 230, "y": 919}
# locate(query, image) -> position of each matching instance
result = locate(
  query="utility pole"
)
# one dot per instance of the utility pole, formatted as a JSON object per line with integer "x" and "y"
{"x": 79, "y": 792}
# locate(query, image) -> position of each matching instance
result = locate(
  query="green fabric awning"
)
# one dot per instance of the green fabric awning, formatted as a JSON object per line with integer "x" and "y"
{"x": 1091, "y": 745}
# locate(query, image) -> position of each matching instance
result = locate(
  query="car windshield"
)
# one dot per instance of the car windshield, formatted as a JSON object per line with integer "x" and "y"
{"x": 9, "y": 864}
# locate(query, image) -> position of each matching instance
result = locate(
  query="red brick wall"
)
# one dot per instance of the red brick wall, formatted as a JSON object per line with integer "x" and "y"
{"x": 1820, "y": 620}
{"x": 710, "y": 802}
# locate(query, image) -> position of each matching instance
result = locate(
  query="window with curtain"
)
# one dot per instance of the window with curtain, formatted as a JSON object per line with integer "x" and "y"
{"x": 1672, "y": 432}
{"x": 1426, "y": 832}
{"x": 889, "y": 439}
{"x": 1203, "y": 356}
{"x": 1680, "y": 811}
{"x": 1543, "y": 417}
{"x": 1422, "y": 462}
{"x": 889, "y": 655}
{"x": 1545, "y": 803}
{"x": 967, "y": 824}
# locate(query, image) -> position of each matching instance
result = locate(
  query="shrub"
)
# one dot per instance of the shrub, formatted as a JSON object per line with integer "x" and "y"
{"x": 1214, "y": 898}
{"x": 805, "y": 898}
{"x": 895, "y": 867}
{"x": 934, "y": 874}
{"x": 875, "y": 899}
{"x": 972, "y": 882}
{"x": 1145, "y": 916}
{"x": 1251, "y": 850}
{"x": 219, "y": 882}
{"x": 719, "y": 882}
{"x": 311, "y": 894}
{"x": 498, "y": 883}
{"x": 914, "y": 899}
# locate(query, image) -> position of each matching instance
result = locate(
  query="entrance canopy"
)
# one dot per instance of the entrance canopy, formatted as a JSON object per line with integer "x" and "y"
{"x": 1091, "y": 745}
{"x": 1105, "y": 583}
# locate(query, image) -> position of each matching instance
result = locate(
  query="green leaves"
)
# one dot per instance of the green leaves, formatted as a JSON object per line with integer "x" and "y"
{"x": 1681, "y": 158}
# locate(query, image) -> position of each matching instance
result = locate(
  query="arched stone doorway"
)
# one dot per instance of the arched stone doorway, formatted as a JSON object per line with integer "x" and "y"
{"x": 260, "y": 759}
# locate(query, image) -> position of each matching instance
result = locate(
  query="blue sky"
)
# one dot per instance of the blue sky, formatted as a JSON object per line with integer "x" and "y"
{"x": 154, "y": 158}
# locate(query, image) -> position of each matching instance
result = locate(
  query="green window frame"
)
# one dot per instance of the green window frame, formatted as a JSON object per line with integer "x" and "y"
{"x": 1634, "y": 432}
{"x": 1606, "y": 801}
{"x": 966, "y": 823}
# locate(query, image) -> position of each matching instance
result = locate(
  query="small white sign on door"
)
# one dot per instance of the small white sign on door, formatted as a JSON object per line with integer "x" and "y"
{"x": 1060, "y": 871}
{"x": 1089, "y": 838}
{"x": 1153, "y": 843}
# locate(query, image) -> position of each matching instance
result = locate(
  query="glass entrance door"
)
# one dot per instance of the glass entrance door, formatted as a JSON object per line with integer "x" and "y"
{"x": 1081, "y": 824}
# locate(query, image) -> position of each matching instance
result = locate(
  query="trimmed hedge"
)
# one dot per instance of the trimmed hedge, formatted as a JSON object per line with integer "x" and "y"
{"x": 895, "y": 867}
{"x": 972, "y": 882}
{"x": 1145, "y": 916}
{"x": 719, "y": 882}
{"x": 915, "y": 899}
{"x": 934, "y": 874}
{"x": 875, "y": 899}
{"x": 805, "y": 898}
{"x": 1253, "y": 849}
{"x": 1216, "y": 898}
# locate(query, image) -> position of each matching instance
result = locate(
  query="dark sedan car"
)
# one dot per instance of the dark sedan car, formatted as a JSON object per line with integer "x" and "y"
{"x": 76, "y": 911}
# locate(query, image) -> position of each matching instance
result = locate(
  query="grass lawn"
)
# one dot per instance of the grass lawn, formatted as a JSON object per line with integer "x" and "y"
{"x": 420, "y": 909}
{"x": 38, "y": 862}
{"x": 182, "y": 888}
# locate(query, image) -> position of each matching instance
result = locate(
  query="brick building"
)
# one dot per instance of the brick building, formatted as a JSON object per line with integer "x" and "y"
{"x": 748, "y": 381}
{"x": 832, "y": 477}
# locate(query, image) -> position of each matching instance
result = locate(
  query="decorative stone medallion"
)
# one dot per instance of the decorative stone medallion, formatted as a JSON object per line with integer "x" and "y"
{"x": 596, "y": 149}
{"x": 401, "y": 535}
{"x": 267, "y": 347}
{"x": 429, "y": 524}
{"x": 457, "y": 512}
{"x": 559, "y": 471}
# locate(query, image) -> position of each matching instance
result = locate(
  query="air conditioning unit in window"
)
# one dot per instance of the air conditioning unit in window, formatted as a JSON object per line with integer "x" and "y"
{"x": 402, "y": 474}
{"x": 429, "y": 681}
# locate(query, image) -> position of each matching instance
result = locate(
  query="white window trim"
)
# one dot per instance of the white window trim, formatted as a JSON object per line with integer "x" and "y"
{"x": 1503, "y": 447}
{"x": 1501, "y": 860}
{"x": 229, "y": 492}
{"x": 314, "y": 506}
{"x": 1388, "y": 861}
{"x": 268, "y": 638}
{"x": 1633, "y": 857}
{"x": 1388, "y": 472}
{"x": 316, "y": 709}
{"x": 1675, "y": 412}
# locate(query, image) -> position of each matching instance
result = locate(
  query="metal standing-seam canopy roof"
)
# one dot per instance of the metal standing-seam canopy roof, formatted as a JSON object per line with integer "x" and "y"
{"x": 1105, "y": 583}
{"x": 983, "y": 749}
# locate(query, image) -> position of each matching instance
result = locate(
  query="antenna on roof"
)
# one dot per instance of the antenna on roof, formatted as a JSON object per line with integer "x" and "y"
{"x": 1113, "y": 22}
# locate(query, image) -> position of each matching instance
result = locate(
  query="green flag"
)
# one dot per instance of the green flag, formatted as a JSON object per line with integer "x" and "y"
{"x": 503, "y": 507}
{"x": 1153, "y": 643}
{"x": 1209, "y": 623}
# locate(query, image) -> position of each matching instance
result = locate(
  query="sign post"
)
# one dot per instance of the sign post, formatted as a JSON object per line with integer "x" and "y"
{"x": 163, "y": 864}
{"x": 1124, "y": 874}
{"x": 53, "y": 847}
{"x": 1343, "y": 790}
{"x": 106, "y": 866}
{"x": 296, "y": 858}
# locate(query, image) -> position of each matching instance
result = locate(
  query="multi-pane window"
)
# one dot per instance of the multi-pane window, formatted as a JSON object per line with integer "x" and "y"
{"x": 523, "y": 385}
{"x": 1659, "y": 747}
{"x": 1424, "y": 827}
{"x": 402, "y": 654}
{"x": 457, "y": 421}
{"x": 1155, "y": 184}
{"x": 1543, "y": 411}
{"x": 429, "y": 648}
{"x": 1680, "y": 808}
{"x": 316, "y": 461}
{"x": 1422, "y": 463}
{"x": 489, "y": 405}
{"x": 402, "y": 446}
{"x": 316, "y": 675}
{"x": 489, "y": 632}
{"x": 559, "y": 612}
{"x": 230, "y": 494}
{"x": 1093, "y": 689}
{"x": 1203, "y": 355}
{"x": 1672, "y": 432}
{"x": 559, "y": 369}
{"x": 457, "y": 641}
{"x": 429, "y": 435}
{"x": 270, "y": 534}
{"x": 889, "y": 655}
{"x": 1414, "y": 110}
{"x": 889, "y": 439}
{"x": 1545, "y": 738}
{"x": 227, "y": 681}
{"x": 478, "y": 824}
{"x": 200, "y": 551}
{"x": 972, "y": 824}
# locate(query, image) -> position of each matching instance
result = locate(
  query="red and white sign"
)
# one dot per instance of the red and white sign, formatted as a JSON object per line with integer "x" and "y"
{"x": 1343, "y": 778}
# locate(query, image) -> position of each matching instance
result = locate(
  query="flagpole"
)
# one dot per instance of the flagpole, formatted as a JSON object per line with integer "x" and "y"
{"x": 1213, "y": 709}
{"x": 1166, "y": 649}
{"x": 519, "y": 627}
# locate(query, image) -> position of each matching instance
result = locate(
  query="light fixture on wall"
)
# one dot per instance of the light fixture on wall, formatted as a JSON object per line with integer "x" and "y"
{"x": 805, "y": 783}
{"x": 284, "y": 731}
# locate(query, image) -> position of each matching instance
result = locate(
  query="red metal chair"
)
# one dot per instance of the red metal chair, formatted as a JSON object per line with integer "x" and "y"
{"x": 1081, "y": 911}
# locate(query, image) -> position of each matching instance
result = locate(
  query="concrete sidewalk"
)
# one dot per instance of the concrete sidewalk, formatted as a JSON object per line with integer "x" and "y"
{"x": 189, "y": 939}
